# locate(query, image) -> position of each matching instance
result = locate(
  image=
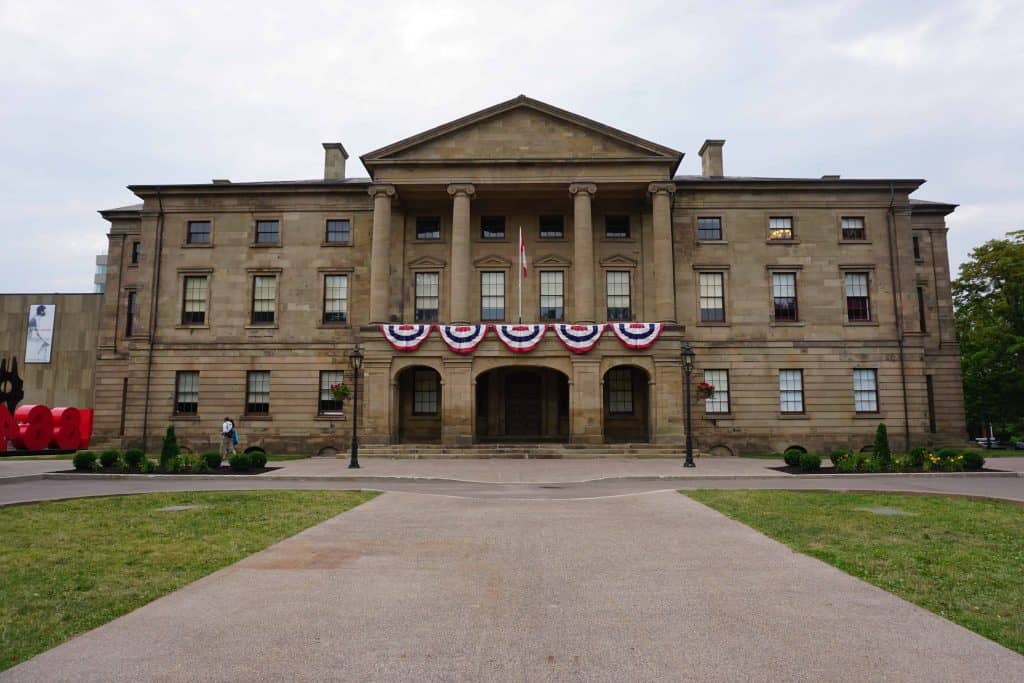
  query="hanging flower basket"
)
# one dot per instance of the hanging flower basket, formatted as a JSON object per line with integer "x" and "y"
{"x": 339, "y": 392}
{"x": 705, "y": 391}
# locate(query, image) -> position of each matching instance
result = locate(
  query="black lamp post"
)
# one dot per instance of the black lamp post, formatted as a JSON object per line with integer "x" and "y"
{"x": 688, "y": 355}
{"x": 355, "y": 359}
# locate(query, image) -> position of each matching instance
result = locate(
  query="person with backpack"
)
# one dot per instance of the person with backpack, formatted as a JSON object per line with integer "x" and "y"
{"x": 227, "y": 437}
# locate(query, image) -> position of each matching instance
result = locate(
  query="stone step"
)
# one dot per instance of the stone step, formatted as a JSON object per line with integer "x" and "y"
{"x": 522, "y": 451}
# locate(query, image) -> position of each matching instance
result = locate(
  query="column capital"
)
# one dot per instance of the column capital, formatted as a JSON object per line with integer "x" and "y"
{"x": 658, "y": 188}
{"x": 386, "y": 190}
{"x": 456, "y": 189}
{"x": 583, "y": 188}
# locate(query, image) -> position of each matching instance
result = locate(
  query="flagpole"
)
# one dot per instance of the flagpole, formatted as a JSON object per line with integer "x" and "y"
{"x": 520, "y": 269}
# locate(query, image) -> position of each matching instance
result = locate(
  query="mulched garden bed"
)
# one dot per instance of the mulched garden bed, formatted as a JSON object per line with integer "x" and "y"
{"x": 832, "y": 470}
{"x": 219, "y": 470}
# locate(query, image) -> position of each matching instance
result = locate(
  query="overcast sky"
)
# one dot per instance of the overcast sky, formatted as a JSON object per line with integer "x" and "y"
{"x": 99, "y": 95}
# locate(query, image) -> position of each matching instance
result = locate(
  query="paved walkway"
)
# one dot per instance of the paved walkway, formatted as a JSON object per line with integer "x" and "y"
{"x": 416, "y": 587}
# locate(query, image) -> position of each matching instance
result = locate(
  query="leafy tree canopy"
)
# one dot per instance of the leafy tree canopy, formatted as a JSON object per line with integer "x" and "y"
{"x": 989, "y": 310}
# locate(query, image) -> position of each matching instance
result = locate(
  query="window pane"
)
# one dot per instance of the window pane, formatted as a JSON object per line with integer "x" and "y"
{"x": 492, "y": 227}
{"x": 267, "y": 232}
{"x": 620, "y": 391}
{"x": 198, "y": 232}
{"x": 709, "y": 228}
{"x": 335, "y": 298}
{"x": 492, "y": 296}
{"x": 780, "y": 228}
{"x": 329, "y": 378}
{"x": 186, "y": 400}
{"x": 130, "y": 311}
{"x": 857, "y": 302}
{"x": 426, "y": 392}
{"x": 339, "y": 231}
{"x": 552, "y": 227}
{"x": 194, "y": 306}
{"x": 136, "y": 251}
{"x": 426, "y": 297}
{"x": 719, "y": 400}
{"x": 257, "y": 400}
{"x": 791, "y": 391}
{"x": 552, "y": 300}
{"x": 428, "y": 228}
{"x": 784, "y": 296}
{"x": 264, "y": 298}
{"x": 853, "y": 228}
{"x": 618, "y": 295}
{"x": 865, "y": 390}
{"x": 616, "y": 226}
{"x": 712, "y": 297}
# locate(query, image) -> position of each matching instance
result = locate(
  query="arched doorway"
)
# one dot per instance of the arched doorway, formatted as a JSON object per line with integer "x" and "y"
{"x": 419, "y": 405}
{"x": 626, "y": 404}
{"x": 522, "y": 403}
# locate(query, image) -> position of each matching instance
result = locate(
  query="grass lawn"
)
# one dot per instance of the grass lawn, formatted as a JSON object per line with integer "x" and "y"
{"x": 69, "y": 566}
{"x": 962, "y": 559}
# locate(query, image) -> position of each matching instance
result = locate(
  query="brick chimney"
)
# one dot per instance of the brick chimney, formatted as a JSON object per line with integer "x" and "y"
{"x": 334, "y": 161}
{"x": 711, "y": 158}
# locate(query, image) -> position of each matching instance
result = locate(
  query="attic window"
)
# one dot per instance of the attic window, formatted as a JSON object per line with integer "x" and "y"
{"x": 616, "y": 226}
{"x": 428, "y": 228}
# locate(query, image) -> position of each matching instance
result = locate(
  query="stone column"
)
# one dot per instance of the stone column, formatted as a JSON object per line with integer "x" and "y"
{"x": 457, "y": 401}
{"x": 459, "y": 295}
{"x": 664, "y": 277}
{"x": 585, "y": 398}
{"x": 380, "y": 265}
{"x": 583, "y": 251}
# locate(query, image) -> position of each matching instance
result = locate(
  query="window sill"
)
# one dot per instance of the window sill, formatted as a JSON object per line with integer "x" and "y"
{"x": 336, "y": 244}
{"x": 717, "y": 416}
{"x": 492, "y": 240}
{"x": 261, "y": 326}
{"x": 420, "y": 240}
{"x": 867, "y": 416}
{"x": 332, "y": 417}
{"x": 700, "y": 242}
{"x": 182, "y": 326}
{"x": 788, "y": 323}
{"x": 190, "y": 245}
{"x": 618, "y": 240}
{"x": 257, "y": 418}
{"x": 190, "y": 417}
{"x": 133, "y": 265}
{"x": 782, "y": 242}
{"x": 264, "y": 245}
{"x": 794, "y": 416}
{"x": 861, "y": 323}
{"x": 919, "y": 261}
{"x": 553, "y": 239}
{"x": 333, "y": 326}
{"x": 714, "y": 324}
{"x": 854, "y": 241}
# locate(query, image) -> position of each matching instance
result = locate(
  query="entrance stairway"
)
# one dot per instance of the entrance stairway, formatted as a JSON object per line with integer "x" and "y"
{"x": 538, "y": 451}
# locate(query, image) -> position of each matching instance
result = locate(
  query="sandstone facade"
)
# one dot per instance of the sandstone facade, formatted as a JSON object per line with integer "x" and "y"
{"x": 618, "y": 233}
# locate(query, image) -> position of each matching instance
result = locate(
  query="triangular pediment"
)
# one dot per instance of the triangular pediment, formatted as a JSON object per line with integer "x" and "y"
{"x": 492, "y": 262}
{"x": 427, "y": 262}
{"x": 522, "y": 129}
{"x": 618, "y": 260}
{"x": 552, "y": 261}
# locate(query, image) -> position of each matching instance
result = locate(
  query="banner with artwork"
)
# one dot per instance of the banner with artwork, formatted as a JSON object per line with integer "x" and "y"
{"x": 39, "y": 341}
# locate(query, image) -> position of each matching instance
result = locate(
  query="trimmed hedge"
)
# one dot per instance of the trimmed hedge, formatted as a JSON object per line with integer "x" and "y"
{"x": 109, "y": 459}
{"x": 84, "y": 461}
{"x": 213, "y": 459}
{"x": 240, "y": 462}
{"x": 792, "y": 458}
{"x": 133, "y": 458}
{"x": 810, "y": 462}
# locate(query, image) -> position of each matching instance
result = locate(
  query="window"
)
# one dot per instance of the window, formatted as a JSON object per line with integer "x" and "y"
{"x": 865, "y": 391}
{"x": 552, "y": 227}
{"x": 917, "y": 247}
{"x": 186, "y": 393}
{"x": 712, "y": 297}
{"x": 853, "y": 228}
{"x": 328, "y": 378}
{"x": 425, "y": 392}
{"x": 492, "y": 296}
{"x": 791, "y": 391}
{"x": 780, "y": 228}
{"x": 858, "y": 306}
{"x": 784, "y": 297}
{"x": 198, "y": 232}
{"x": 136, "y": 252}
{"x": 620, "y": 391}
{"x": 335, "y": 298}
{"x": 552, "y": 297}
{"x": 428, "y": 228}
{"x": 268, "y": 232}
{"x": 193, "y": 305}
{"x": 492, "y": 227}
{"x": 257, "y": 395}
{"x": 339, "y": 231}
{"x": 618, "y": 295}
{"x": 709, "y": 228}
{"x": 616, "y": 226}
{"x": 131, "y": 309}
{"x": 426, "y": 297}
{"x": 922, "y": 318}
{"x": 264, "y": 299}
{"x": 719, "y": 401}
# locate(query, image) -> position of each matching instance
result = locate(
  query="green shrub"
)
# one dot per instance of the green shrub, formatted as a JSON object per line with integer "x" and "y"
{"x": 810, "y": 462}
{"x": 133, "y": 458}
{"x": 917, "y": 454}
{"x": 901, "y": 462}
{"x": 952, "y": 463}
{"x": 240, "y": 462}
{"x": 84, "y": 461}
{"x": 147, "y": 466}
{"x": 839, "y": 456}
{"x": 973, "y": 460}
{"x": 867, "y": 463}
{"x": 173, "y": 465}
{"x": 848, "y": 464}
{"x": 169, "y": 449}
{"x": 947, "y": 453}
{"x": 109, "y": 458}
{"x": 197, "y": 465}
{"x": 881, "y": 446}
{"x": 792, "y": 458}
{"x": 258, "y": 459}
{"x": 213, "y": 459}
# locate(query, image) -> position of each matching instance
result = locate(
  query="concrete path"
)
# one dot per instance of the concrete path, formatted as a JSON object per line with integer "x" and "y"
{"x": 427, "y": 588}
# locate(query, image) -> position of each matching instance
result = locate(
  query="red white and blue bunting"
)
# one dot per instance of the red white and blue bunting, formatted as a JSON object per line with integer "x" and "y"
{"x": 462, "y": 338}
{"x": 520, "y": 338}
{"x": 405, "y": 337}
{"x": 637, "y": 335}
{"x": 579, "y": 338}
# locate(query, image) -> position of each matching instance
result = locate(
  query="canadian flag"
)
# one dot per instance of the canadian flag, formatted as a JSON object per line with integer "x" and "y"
{"x": 522, "y": 252}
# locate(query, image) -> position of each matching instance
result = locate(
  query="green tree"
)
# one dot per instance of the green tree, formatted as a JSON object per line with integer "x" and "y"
{"x": 169, "y": 449}
{"x": 881, "y": 446}
{"x": 989, "y": 301}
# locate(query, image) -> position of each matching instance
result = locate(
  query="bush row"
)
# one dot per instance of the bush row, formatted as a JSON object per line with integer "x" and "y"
{"x": 134, "y": 460}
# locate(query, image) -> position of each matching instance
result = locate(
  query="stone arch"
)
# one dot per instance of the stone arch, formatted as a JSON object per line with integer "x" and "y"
{"x": 626, "y": 403}
{"x": 417, "y": 391}
{"x": 524, "y": 401}
{"x": 721, "y": 450}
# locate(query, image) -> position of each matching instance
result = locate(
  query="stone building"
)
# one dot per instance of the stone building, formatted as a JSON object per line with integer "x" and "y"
{"x": 817, "y": 307}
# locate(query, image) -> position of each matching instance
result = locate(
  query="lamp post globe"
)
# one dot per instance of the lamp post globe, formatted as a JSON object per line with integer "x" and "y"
{"x": 688, "y": 356}
{"x": 355, "y": 360}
